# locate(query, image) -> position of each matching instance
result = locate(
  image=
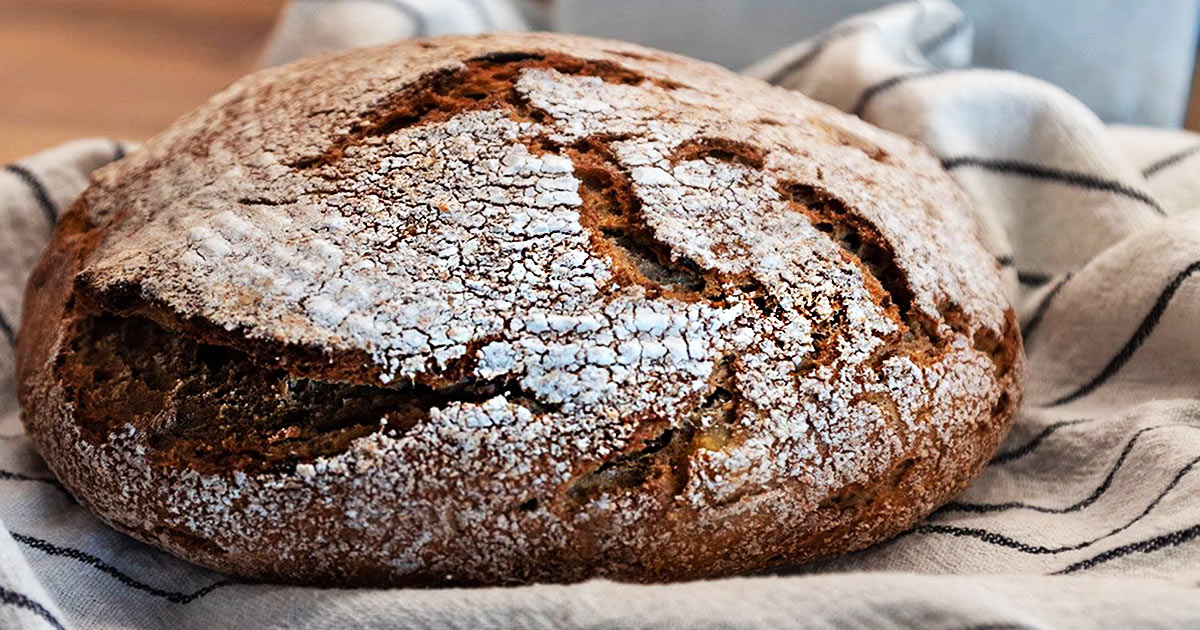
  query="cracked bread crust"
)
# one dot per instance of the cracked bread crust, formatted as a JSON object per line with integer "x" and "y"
{"x": 510, "y": 308}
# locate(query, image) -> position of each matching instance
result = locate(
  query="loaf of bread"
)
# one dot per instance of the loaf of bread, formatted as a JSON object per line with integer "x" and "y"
{"x": 513, "y": 308}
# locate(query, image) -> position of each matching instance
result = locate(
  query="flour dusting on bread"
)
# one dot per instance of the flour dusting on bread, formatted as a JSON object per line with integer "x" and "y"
{"x": 647, "y": 319}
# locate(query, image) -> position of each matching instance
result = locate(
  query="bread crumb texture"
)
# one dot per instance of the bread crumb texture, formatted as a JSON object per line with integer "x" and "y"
{"x": 511, "y": 308}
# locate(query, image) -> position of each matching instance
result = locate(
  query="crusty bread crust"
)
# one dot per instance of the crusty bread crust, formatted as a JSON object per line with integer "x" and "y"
{"x": 509, "y": 308}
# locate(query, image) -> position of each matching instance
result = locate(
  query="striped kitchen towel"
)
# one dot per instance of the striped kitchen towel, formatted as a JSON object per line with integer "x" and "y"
{"x": 1086, "y": 518}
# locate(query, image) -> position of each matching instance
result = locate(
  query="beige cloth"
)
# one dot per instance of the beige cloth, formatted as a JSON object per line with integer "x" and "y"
{"x": 1086, "y": 519}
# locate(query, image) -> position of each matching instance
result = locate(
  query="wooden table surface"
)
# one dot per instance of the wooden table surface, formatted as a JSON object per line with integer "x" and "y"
{"x": 118, "y": 68}
{"x": 127, "y": 68}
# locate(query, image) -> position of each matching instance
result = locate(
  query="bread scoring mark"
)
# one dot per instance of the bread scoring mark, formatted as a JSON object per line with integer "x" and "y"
{"x": 612, "y": 212}
{"x": 659, "y": 452}
{"x": 213, "y": 408}
{"x": 862, "y": 244}
{"x": 659, "y": 460}
{"x": 722, "y": 149}
{"x": 861, "y": 241}
{"x": 483, "y": 83}
{"x": 921, "y": 337}
{"x": 1003, "y": 348}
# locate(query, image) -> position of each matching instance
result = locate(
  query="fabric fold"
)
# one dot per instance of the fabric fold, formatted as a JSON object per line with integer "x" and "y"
{"x": 1085, "y": 518}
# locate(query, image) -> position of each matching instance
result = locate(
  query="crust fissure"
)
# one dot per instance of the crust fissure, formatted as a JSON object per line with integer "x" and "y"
{"x": 215, "y": 408}
{"x": 483, "y": 83}
{"x": 661, "y": 453}
{"x": 861, "y": 240}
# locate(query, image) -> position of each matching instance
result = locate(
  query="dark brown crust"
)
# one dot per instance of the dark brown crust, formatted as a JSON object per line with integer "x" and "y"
{"x": 484, "y": 82}
{"x": 680, "y": 541}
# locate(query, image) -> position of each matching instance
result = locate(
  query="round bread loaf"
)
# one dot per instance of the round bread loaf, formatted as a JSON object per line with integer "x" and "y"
{"x": 497, "y": 309}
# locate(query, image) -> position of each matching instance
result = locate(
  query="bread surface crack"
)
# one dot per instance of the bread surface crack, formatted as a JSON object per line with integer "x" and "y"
{"x": 215, "y": 409}
{"x": 862, "y": 242}
{"x": 483, "y": 83}
{"x": 720, "y": 149}
{"x": 661, "y": 454}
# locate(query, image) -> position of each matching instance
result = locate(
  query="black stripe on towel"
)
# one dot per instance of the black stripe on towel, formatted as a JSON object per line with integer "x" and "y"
{"x": 8, "y": 475}
{"x": 1005, "y": 541}
{"x": 1000, "y": 540}
{"x": 1039, "y": 312}
{"x": 1033, "y": 443}
{"x": 1033, "y": 278}
{"x": 38, "y": 189}
{"x": 872, "y": 91}
{"x": 1143, "y": 332}
{"x": 1150, "y": 545}
{"x": 9, "y": 334}
{"x": 991, "y": 538}
{"x": 102, "y": 566}
{"x": 13, "y": 598}
{"x": 1170, "y": 160}
{"x": 933, "y": 43}
{"x": 983, "y": 508}
{"x": 818, "y": 47}
{"x": 1038, "y": 171}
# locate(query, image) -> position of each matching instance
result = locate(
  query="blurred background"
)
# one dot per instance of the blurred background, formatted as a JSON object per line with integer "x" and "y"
{"x": 127, "y": 68}
{"x": 118, "y": 68}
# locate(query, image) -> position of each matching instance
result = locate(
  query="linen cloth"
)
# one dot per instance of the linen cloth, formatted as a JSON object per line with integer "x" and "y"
{"x": 1086, "y": 518}
{"x": 1123, "y": 77}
